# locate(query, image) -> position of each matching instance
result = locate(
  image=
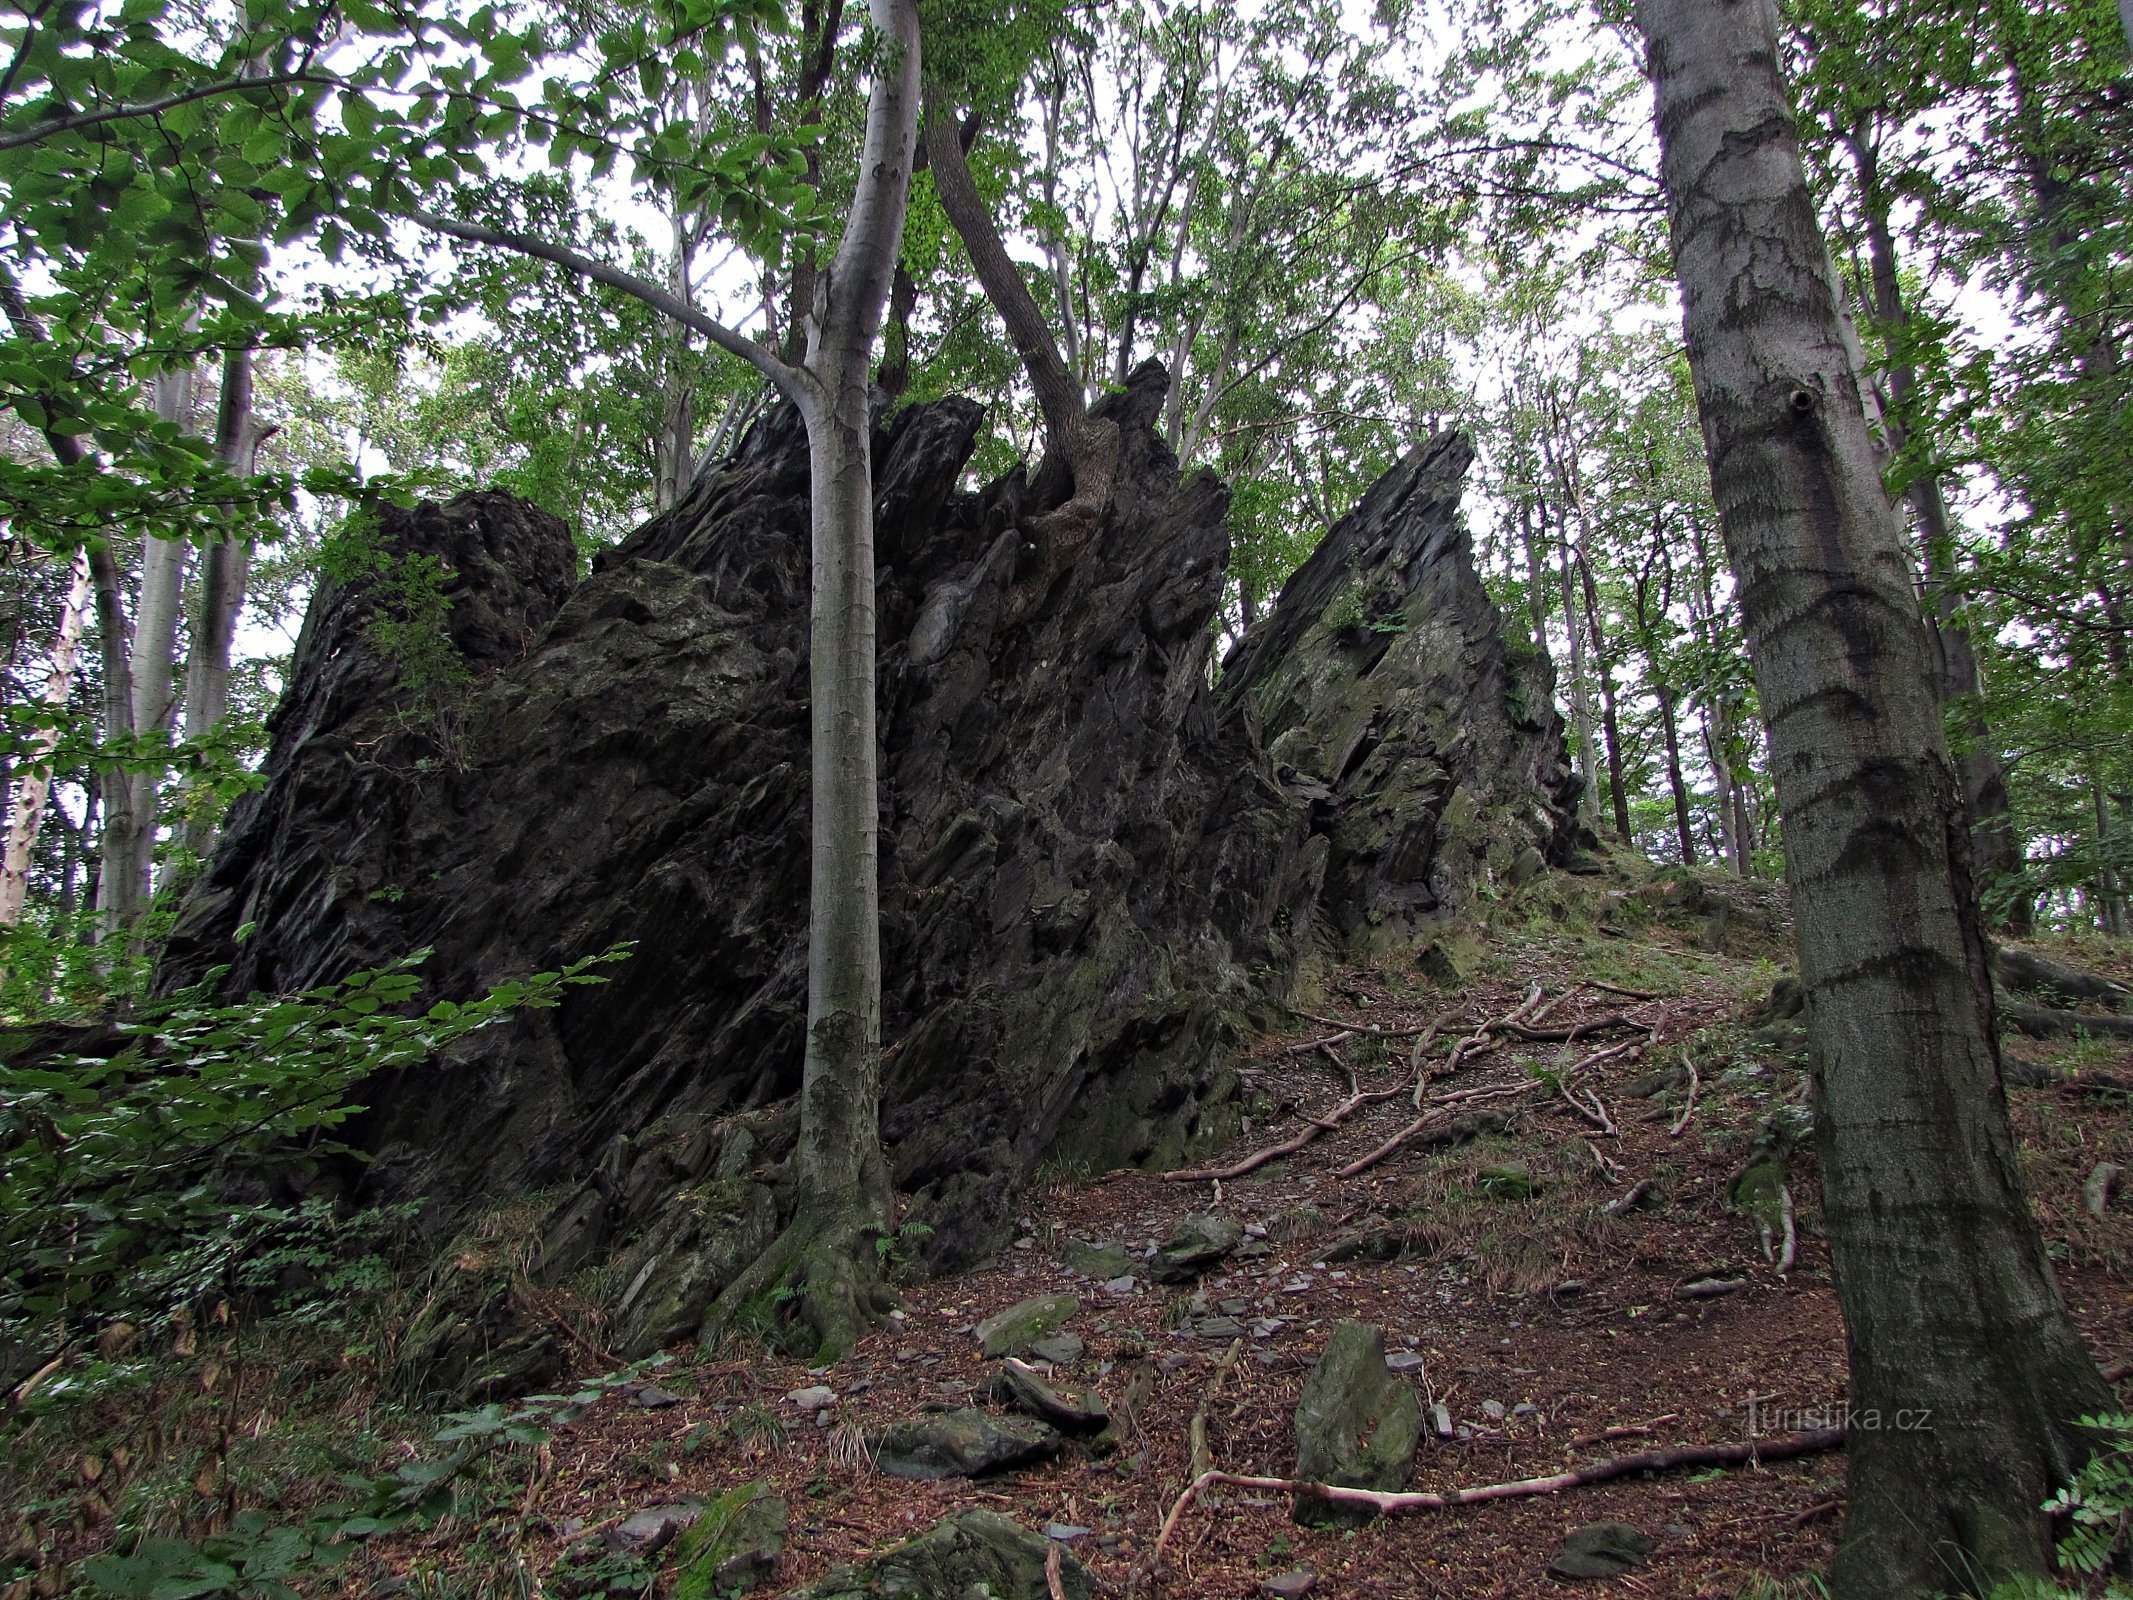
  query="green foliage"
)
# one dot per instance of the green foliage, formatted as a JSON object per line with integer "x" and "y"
{"x": 125, "y": 1177}
{"x": 261, "y": 1558}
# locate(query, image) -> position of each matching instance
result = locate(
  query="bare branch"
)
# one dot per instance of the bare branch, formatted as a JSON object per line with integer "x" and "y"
{"x": 792, "y": 382}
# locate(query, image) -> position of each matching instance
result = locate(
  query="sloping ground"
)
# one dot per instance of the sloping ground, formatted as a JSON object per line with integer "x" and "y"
{"x": 1552, "y": 1332}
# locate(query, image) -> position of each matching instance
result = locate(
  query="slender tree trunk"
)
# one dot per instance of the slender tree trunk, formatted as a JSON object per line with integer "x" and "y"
{"x": 1683, "y": 829}
{"x": 1994, "y": 844}
{"x": 1952, "y": 1316}
{"x": 1610, "y": 720}
{"x": 2110, "y": 896}
{"x": 224, "y": 572}
{"x": 33, "y": 791}
{"x": 159, "y": 596}
{"x": 1580, "y": 683}
{"x": 122, "y": 889}
{"x": 1717, "y": 749}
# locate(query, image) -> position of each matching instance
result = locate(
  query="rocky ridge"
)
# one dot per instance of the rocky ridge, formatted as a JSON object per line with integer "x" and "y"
{"x": 1101, "y": 860}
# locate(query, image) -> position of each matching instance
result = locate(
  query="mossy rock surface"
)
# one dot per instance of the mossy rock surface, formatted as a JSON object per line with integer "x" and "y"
{"x": 1357, "y": 1426}
{"x": 974, "y": 1555}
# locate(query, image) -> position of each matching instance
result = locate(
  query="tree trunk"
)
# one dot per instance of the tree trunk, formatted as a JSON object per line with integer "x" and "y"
{"x": 1580, "y": 690}
{"x": 2110, "y": 896}
{"x": 34, "y": 787}
{"x": 224, "y": 571}
{"x": 155, "y": 647}
{"x": 1952, "y": 1317}
{"x": 1994, "y": 845}
{"x": 1671, "y": 732}
{"x": 122, "y": 886}
{"x": 1610, "y": 720}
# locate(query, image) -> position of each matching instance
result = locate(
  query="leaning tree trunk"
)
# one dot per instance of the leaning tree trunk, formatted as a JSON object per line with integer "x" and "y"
{"x": 1966, "y": 1372}
{"x": 1993, "y": 841}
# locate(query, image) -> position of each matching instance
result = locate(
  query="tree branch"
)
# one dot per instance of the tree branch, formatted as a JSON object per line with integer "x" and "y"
{"x": 792, "y": 382}
{"x": 37, "y": 133}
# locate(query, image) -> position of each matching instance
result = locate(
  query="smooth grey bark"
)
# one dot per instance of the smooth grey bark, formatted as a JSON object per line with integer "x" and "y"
{"x": 158, "y": 602}
{"x": 1995, "y": 847}
{"x": 1610, "y": 716}
{"x": 225, "y": 570}
{"x": 33, "y": 788}
{"x": 1951, "y": 1312}
{"x": 839, "y": 1175}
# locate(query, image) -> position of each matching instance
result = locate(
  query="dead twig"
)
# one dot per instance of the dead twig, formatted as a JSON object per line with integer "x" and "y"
{"x": 1304, "y": 1047}
{"x": 1640, "y": 1430}
{"x": 1786, "y": 1447}
{"x": 1367, "y": 1029}
{"x": 1709, "y": 1288}
{"x": 1053, "y": 1581}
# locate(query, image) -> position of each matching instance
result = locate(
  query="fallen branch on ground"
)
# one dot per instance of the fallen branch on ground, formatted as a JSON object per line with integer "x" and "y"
{"x": 1312, "y": 1128}
{"x": 1628, "y": 1202}
{"x": 1576, "y": 1030}
{"x": 1367, "y": 1029}
{"x": 1640, "y": 1430}
{"x": 1785, "y": 1447}
{"x": 1304, "y": 1047}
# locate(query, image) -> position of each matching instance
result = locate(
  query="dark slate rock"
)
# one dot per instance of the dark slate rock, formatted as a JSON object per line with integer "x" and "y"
{"x": 1095, "y": 868}
{"x": 961, "y": 1444}
{"x": 970, "y": 1554}
{"x": 1357, "y": 1426}
{"x": 1197, "y": 1244}
{"x": 1010, "y": 1332}
{"x": 1600, "y": 1550}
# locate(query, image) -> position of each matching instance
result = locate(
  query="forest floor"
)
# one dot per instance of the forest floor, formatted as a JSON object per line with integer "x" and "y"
{"x": 1552, "y": 1331}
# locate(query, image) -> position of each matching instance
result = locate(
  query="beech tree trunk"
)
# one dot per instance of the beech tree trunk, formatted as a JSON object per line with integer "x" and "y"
{"x": 33, "y": 787}
{"x": 1966, "y": 1372}
{"x": 1994, "y": 846}
{"x": 1684, "y": 830}
{"x": 225, "y": 569}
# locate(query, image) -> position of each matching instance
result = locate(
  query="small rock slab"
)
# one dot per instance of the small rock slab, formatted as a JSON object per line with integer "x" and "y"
{"x": 734, "y": 1546}
{"x": 1068, "y": 1410}
{"x": 1357, "y": 1426}
{"x": 1059, "y": 1349}
{"x": 1291, "y": 1585}
{"x": 1096, "y": 1260}
{"x": 961, "y": 1444}
{"x": 1600, "y": 1550}
{"x": 1010, "y": 1332}
{"x": 656, "y": 1527}
{"x": 1197, "y": 1244}
{"x": 972, "y": 1553}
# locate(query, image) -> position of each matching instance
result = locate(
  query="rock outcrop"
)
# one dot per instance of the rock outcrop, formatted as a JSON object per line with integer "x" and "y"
{"x": 1097, "y": 866}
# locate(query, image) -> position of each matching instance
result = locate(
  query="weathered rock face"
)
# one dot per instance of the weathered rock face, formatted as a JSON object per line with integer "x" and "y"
{"x": 1094, "y": 866}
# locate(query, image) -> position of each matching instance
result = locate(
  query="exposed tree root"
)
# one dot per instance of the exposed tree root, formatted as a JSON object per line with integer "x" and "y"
{"x": 1786, "y": 1447}
{"x": 827, "y": 1266}
{"x": 1688, "y": 1110}
{"x": 2046, "y": 1022}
